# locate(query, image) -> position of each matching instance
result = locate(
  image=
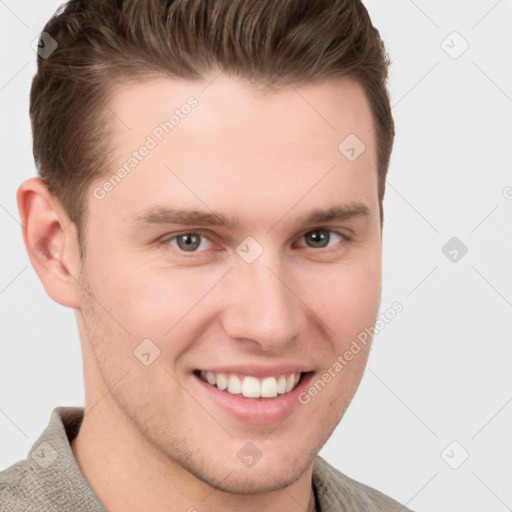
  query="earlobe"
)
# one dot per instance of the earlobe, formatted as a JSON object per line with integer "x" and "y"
{"x": 51, "y": 242}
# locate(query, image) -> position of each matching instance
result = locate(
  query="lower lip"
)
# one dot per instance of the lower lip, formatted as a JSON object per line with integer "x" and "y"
{"x": 257, "y": 411}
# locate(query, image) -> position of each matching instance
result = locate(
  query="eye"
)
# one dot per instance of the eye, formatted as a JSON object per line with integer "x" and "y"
{"x": 197, "y": 241}
{"x": 321, "y": 238}
{"x": 188, "y": 242}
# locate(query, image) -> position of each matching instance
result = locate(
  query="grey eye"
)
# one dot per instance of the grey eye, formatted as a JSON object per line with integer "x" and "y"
{"x": 319, "y": 238}
{"x": 188, "y": 241}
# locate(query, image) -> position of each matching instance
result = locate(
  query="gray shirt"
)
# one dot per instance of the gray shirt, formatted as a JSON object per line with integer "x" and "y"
{"x": 50, "y": 480}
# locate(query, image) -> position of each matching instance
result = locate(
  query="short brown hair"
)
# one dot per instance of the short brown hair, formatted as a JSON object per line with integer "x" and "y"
{"x": 269, "y": 42}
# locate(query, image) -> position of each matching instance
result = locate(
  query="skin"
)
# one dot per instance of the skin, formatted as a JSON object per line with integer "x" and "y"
{"x": 151, "y": 437}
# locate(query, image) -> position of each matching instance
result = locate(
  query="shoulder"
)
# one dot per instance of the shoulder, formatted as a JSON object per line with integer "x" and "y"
{"x": 49, "y": 478}
{"x": 336, "y": 491}
{"x": 20, "y": 490}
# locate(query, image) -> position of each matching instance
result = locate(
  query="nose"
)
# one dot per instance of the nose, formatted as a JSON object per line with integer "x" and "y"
{"x": 262, "y": 307}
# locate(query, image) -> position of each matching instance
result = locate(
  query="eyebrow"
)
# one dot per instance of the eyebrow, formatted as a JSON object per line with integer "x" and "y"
{"x": 163, "y": 215}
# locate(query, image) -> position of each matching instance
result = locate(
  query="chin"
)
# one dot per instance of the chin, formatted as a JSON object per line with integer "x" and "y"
{"x": 279, "y": 465}
{"x": 260, "y": 479}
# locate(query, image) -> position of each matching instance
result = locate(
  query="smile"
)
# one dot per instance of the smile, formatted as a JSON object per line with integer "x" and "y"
{"x": 251, "y": 387}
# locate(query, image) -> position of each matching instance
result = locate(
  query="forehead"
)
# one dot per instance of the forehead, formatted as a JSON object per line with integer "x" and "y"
{"x": 223, "y": 103}
{"x": 221, "y": 143}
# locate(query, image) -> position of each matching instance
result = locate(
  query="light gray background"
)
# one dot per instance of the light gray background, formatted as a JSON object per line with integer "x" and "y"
{"x": 440, "y": 371}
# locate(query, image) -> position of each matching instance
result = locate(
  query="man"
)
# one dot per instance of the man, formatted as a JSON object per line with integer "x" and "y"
{"x": 210, "y": 205}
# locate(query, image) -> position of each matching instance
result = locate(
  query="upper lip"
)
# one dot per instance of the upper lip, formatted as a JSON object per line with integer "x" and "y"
{"x": 258, "y": 370}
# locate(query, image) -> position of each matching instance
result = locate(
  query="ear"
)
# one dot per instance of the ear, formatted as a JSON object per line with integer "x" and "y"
{"x": 51, "y": 242}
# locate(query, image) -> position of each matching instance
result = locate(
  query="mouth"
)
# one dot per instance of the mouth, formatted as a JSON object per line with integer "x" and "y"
{"x": 253, "y": 395}
{"x": 249, "y": 386}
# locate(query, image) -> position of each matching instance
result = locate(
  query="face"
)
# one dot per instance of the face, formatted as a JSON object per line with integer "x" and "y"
{"x": 244, "y": 247}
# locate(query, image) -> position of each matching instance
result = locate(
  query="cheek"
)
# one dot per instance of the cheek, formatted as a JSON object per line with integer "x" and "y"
{"x": 349, "y": 306}
{"x": 153, "y": 302}
{"x": 349, "y": 299}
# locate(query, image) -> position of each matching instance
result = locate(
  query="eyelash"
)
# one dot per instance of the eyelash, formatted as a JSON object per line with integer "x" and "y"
{"x": 168, "y": 238}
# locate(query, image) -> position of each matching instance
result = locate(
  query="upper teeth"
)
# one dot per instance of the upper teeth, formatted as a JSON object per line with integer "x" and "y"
{"x": 252, "y": 387}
